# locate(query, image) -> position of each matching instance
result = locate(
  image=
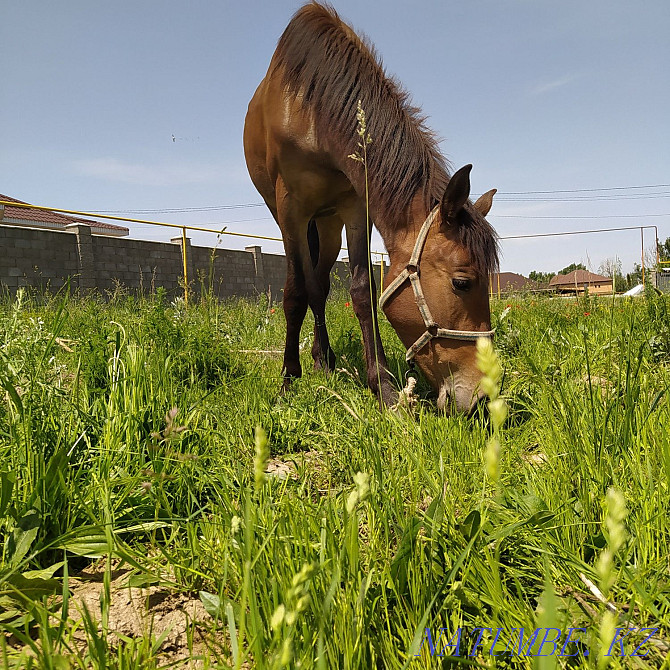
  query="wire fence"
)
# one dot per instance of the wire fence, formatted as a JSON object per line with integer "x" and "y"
{"x": 381, "y": 254}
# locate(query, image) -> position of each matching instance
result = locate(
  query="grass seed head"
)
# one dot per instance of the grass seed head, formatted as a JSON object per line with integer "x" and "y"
{"x": 606, "y": 634}
{"x": 261, "y": 457}
{"x": 278, "y": 617}
{"x": 235, "y": 524}
{"x": 286, "y": 653}
{"x": 492, "y": 459}
{"x": 303, "y": 576}
{"x": 498, "y": 412}
{"x": 360, "y": 493}
{"x": 616, "y": 536}
{"x": 362, "y": 131}
{"x": 616, "y": 513}
{"x": 489, "y": 365}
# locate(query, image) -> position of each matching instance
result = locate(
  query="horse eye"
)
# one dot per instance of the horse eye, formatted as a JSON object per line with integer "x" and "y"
{"x": 461, "y": 284}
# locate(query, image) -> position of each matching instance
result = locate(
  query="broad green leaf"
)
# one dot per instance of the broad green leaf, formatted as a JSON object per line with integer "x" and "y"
{"x": 23, "y": 536}
{"x": 7, "y": 481}
{"x": 60, "y": 662}
{"x": 470, "y": 525}
{"x": 46, "y": 573}
{"x": 234, "y": 646}
{"x": 13, "y": 394}
{"x": 144, "y": 527}
{"x": 94, "y": 545}
{"x": 434, "y": 516}
{"x": 212, "y": 604}
{"x": 143, "y": 580}
{"x": 11, "y": 614}
{"x": 17, "y": 587}
{"x": 540, "y": 518}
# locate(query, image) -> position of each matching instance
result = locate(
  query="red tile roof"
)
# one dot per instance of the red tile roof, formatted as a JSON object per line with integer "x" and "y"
{"x": 40, "y": 217}
{"x": 579, "y": 277}
{"x": 510, "y": 281}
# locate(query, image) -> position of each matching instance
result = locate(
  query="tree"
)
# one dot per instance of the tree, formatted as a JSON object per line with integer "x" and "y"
{"x": 540, "y": 277}
{"x": 611, "y": 267}
{"x": 571, "y": 267}
{"x": 635, "y": 277}
{"x": 664, "y": 250}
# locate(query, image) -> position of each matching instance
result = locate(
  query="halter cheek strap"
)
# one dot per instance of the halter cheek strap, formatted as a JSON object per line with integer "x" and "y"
{"x": 411, "y": 272}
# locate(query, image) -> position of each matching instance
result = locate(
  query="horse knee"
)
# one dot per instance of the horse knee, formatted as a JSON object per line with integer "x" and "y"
{"x": 362, "y": 292}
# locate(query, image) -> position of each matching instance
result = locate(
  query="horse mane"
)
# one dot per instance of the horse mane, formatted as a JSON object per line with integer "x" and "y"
{"x": 322, "y": 59}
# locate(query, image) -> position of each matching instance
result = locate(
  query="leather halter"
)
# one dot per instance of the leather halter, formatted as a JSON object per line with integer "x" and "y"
{"x": 411, "y": 272}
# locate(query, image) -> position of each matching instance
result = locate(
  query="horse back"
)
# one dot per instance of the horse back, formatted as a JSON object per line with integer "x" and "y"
{"x": 282, "y": 145}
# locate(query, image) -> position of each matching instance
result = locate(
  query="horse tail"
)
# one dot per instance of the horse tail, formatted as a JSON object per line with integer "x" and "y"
{"x": 313, "y": 242}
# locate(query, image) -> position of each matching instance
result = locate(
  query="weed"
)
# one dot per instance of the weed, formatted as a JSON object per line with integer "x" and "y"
{"x": 388, "y": 524}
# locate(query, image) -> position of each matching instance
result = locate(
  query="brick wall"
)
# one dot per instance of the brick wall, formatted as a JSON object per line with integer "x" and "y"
{"x": 46, "y": 259}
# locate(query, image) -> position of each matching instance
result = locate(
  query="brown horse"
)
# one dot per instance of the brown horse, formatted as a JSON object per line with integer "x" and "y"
{"x": 299, "y": 135}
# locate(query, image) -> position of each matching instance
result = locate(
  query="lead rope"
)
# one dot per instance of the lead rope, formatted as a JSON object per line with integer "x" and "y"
{"x": 407, "y": 399}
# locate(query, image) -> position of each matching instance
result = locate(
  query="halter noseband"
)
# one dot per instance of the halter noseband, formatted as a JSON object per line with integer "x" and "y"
{"x": 411, "y": 272}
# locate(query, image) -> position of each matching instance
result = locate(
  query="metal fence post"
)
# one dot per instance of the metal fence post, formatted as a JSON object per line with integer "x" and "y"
{"x": 185, "y": 244}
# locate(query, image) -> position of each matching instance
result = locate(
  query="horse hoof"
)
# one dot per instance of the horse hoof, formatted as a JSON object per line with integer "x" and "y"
{"x": 325, "y": 366}
{"x": 286, "y": 385}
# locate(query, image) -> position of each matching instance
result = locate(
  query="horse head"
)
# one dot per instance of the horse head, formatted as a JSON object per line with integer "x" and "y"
{"x": 438, "y": 300}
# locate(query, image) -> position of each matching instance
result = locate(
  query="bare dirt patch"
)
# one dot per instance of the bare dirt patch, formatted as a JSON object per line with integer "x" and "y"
{"x": 150, "y": 612}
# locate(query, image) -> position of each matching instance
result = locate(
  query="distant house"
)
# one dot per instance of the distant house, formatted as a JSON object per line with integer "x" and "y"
{"x": 578, "y": 281}
{"x": 511, "y": 282}
{"x": 38, "y": 218}
{"x": 506, "y": 282}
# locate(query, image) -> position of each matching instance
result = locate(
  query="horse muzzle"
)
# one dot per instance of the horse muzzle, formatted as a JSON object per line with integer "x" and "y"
{"x": 456, "y": 397}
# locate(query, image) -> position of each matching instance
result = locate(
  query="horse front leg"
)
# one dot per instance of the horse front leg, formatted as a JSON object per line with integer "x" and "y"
{"x": 295, "y": 308}
{"x": 293, "y": 226}
{"x": 325, "y": 241}
{"x": 303, "y": 288}
{"x": 364, "y": 299}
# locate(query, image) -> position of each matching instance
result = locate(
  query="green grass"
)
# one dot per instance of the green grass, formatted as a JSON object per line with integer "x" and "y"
{"x": 301, "y": 571}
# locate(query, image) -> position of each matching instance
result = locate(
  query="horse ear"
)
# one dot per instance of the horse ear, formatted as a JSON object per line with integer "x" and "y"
{"x": 484, "y": 202}
{"x": 457, "y": 193}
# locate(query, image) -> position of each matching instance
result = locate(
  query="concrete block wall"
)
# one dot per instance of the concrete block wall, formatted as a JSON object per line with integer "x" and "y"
{"x": 42, "y": 259}
{"x": 46, "y": 259}
{"x": 228, "y": 273}
{"x": 136, "y": 264}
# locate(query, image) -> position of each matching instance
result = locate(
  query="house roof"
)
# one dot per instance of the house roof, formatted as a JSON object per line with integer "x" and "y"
{"x": 579, "y": 277}
{"x": 40, "y": 218}
{"x": 509, "y": 281}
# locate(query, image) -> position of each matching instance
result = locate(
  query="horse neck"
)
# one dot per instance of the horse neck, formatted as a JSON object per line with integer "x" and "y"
{"x": 399, "y": 234}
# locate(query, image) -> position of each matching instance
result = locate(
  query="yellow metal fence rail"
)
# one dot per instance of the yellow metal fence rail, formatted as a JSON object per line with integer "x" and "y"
{"x": 381, "y": 254}
{"x": 183, "y": 228}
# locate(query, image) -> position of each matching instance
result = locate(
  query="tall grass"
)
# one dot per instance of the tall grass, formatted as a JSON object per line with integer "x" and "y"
{"x": 140, "y": 431}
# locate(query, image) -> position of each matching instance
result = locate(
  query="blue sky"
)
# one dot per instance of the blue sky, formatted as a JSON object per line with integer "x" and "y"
{"x": 539, "y": 96}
